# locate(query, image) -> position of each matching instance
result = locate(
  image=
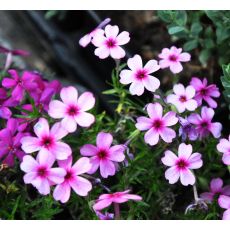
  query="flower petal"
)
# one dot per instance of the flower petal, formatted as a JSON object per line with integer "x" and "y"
{"x": 88, "y": 150}
{"x": 169, "y": 159}
{"x": 81, "y": 186}
{"x": 69, "y": 95}
{"x": 83, "y": 165}
{"x": 86, "y": 101}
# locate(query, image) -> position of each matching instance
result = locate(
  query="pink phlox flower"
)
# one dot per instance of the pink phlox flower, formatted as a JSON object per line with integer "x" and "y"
{"x": 172, "y": 58}
{"x": 73, "y": 179}
{"x": 47, "y": 141}
{"x": 106, "y": 216}
{"x": 183, "y": 98}
{"x": 224, "y": 147}
{"x": 40, "y": 173}
{"x": 205, "y": 92}
{"x": 204, "y": 124}
{"x": 72, "y": 109}
{"x": 109, "y": 44}
{"x": 86, "y": 39}
{"x": 19, "y": 84}
{"x": 10, "y": 145}
{"x": 181, "y": 165}
{"x": 224, "y": 202}
{"x": 139, "y": 77}
{"x": 216, "y": 189}
{"x": 106, "y": 200}
{"x": 157, "y": 124}
{"x": 103, "y": 156}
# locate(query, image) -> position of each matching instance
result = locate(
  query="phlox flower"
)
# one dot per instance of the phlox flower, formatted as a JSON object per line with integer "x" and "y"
{"x": 157, "y": 124}
{"x": 205, "y": 92}
{"x": 139, "y": 76}
{"x": 106, "y": 216}
{"x": 103, "y": 155}
{"x": 181, "y": 165}
{"x": 72, "y": 109}
{"x": 40, "y": 173}
{"x": 204, "y": 124}
{"x": 172, "y": 58}
{"x": 224, "y": 202}
{"x": 109, "y": 44}
{"x": 187, "y": 130}
{"x": 86, "y": 39}
{"x": 216, "y": 189}
{"x": 10, "y": 145}
{"x": 183, "y": 98}
{"x": 106, "y": 200}
{"x": 73, "y": 179}
{"x": 5, "y": 102}
{"x": 19, "y": 84}
{"x": 47, "y": 141}
{"x": 224, "y": 147}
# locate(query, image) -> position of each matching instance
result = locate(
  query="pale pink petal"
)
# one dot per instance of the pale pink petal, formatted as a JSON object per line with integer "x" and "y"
{"x": 58, "y": 131}
{"x": 172, "y": 175}
{"x": 173, "y": 99}
{"x": 85, "y": 40}
{"x": 151, "y": 137}
{"x": 144, "y": 123}
{"x": 126, "y": 77}
{"x": 123, "y": 38}
{"x": 45, "y": 158}
{"x": 86, "y": 101}
{"x": 99, "y": 39}
{"x": 117, "y": 52}
{"x": 132, "y": 197}
{"x": 195, "y": 119}
{"x": 207, "y": 113}
{"x": 169, "y": 159}
{"x": 224, "y": 146}
{"x": 216, "y": 185}
{"x": 190, "y": 92}
{"x": 135, "y": 63}
{"x": 81, "y": 186}
{"x": 107, "y": 168}
{"x": 61, "y": 151}
{"x": 152, "y": 66}
{"x": 151, "y": 83}
{"x": 187, "y": 177}
{"x": 88, "y": 150}
{"x": 184, "y": 57}
{"x": 224, "y": 201}
{"x": 164, "y": 53}
{"x": 62, "y": 192}
{"x": 116, "y": 153}
{"x": 41, "y": 128}
{"x": 185, "y": 151}
{"x": 56, "y": 175}
{"x": 111, "y": 31}
{"x": 44, "y": 187}
{"x": 191, "y": 105}
{"x": 104, "y": 140}
{"x": 69, "y": 95}
{"x": 136, "y": 88}
{"x": 167, "y": 134}
{"x": 29, "y": 164}
{"x": 215, "y": 129}
{"x": 101, "y": 204}
{"x": 226, "y": 158}
{"x": 66, "y": 164}
{"x": 170, "y": 118}
{"x": 83, "y": 165}
{"x": 155, "y": 110}
{"x": 102, "y": 52}
{"x": 69, "y": 124}
{"x": 30, "y": 144}
{"x": 95, "y": 163}
{"x": 195, "y": 161}
{"x": 164, "y": 64}
{"x": 226, "y": 215}
{"x": 29, "y": 177}
{"x": 57, "y": 109}
{"x": 176, "y": 67}
{"x": 84, "y": 119}
{"x": 179, "y": 89}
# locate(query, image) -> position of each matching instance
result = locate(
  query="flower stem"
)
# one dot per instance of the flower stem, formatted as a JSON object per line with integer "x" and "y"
{"x": 117, "y": 211}
{"x": 196, "y": 198}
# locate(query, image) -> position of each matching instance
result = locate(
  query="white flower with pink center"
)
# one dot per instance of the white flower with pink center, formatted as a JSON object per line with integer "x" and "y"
{"x": 109, "y": 43}
{"x": 40, "y": 173}
{"x": 172, "y": 58}
{"x": 224, "y": 147}
{"x": 181, "y": 166}
{"x": 73, "y": 179}
{"x": 157, "y": 124}
{"x": 139, "y": 77}
{"x": 183, "y": 98}
{"x": 47, "y": 141}
{"x": 103, "y": 155}
{"x": 72, "y": 109}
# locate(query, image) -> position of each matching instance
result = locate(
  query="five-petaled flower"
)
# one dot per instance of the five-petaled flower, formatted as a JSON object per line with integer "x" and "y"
{"x": 224, "y": 147}
{"x": 103, "y": 155}
{"x": 139, "y": 76}
{"x": 181, "y": 165}
{"x": 157, "y": 124}
{"x": 73, "y": 109}
{"x": 172, "y": 58}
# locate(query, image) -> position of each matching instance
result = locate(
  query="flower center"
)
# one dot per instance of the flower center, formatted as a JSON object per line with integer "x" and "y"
{"x": 47, "y": 141}
{"x": 182, "y": 164}
{"x": 69, "y": 175}
{"x": 157, "y": 124}
{"x": 173, "y": 58}
{"x": 102, "y": 154}
{"x": 204, "y": 124}
{"x": 72, "y": 110}
{"x": 203, "y": 92}
{"x": 110, "y": 43}
{"x": 141, "y": 74}
{"x": 182, "y": 98}
{"x": 42, "y": 171}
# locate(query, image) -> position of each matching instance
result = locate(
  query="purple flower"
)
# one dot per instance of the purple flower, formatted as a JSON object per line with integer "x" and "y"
{"x": 216, "y": 188}
{"x": 187, "y": 130}
{"x": 204, "y": 124}
{"x": 205, "y": 92}
{"x": 106, "y": 216}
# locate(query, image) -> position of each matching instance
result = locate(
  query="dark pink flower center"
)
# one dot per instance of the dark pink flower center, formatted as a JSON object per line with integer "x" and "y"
{"x": 183, "y": 98}
{"x": 204, "y": 124}
{"x": 110, "y": 43}
{"x": 173, "y": 58}
{"x": 203, "y": 92}
{"x": 47, "y": 141}
{"x": 141, "y": 74}
{"x": 42, "y": 171}
{"x": 102, "y": 154}
{"x": 182, "y": 164}
{"x": 72, "y": 110}
{"x": 69, "y": 175}
{"x": 158, "y": 124}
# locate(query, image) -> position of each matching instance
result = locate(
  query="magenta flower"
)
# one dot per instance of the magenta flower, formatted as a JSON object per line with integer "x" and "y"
{"x": 106, "y": 200}
{"x": 106, "y": 216}
{"x": 103, "y": 155}
{"x": 40, "y": 173}
{"x": 86, "y": 39}
{"x": 183, "y": 98}
{"x": 205, "y": 92}
{"x": 224, "y": 202}
{"x": 20, "y": 84}
{"x": 216, "y": 189}
{"x": 5, "y": 102}
{"x": 139, "y": 76}
{"x": 73, "y": 109}
{"x": 204, "y": 124}
{"x": 47, "y": 141}
{"x": 172, "y": 58}
{"x": 181, "y": 165}
{"x": 109, "y": 44}
{"x": 157, "y": 124}
{"x": 187, "y": 130}
{"x": 73, "y": 179}
{"x": 10, "y": 145}
{"x": 224, "y": 147}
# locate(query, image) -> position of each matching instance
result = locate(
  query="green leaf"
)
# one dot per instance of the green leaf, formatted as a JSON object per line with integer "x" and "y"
{"x": 175, "y": 29}
{"x": 181, "y": 17}
{"x": 196, "y": 28}
{"x": 204, "y": 56}
{"x": 190, "y": 45}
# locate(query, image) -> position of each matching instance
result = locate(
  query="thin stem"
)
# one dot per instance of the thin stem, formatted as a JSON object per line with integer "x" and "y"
{"x": 196, "y": 198}
{"x": 116, "y": 211}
